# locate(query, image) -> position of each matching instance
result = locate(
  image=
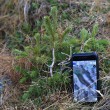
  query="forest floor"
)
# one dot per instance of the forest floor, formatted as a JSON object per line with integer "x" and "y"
{"x": 82, "y": 14}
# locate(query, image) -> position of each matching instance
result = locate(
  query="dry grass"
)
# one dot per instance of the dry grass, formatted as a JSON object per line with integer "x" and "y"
{"x": 11, "y": 91}
{"x": 7, "y": 63}
{"x": 58, "y": 101}
{"x": 12, "y": 14}
{"x": 108, "y": 18}
{"x": 10, "y": 98}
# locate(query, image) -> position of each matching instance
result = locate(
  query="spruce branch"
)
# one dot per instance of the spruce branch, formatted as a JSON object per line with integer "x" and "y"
{"x": 54, "y": 13}
{"x": 48, "y": 27}
{"x": 66, "y": 31}
{"x": 65, "y": 54}
{"x": 68, "y": 59}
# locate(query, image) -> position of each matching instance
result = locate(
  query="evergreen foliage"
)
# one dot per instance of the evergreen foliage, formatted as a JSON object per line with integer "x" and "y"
{"x": 43, "y": 35}
{"x": 39, "y": 56}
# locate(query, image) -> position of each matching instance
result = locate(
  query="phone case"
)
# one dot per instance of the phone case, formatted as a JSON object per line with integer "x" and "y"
{"x": 84, "y": 58}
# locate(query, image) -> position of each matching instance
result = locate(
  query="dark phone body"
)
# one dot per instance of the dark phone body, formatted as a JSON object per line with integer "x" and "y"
{"x": 85, "y": 76}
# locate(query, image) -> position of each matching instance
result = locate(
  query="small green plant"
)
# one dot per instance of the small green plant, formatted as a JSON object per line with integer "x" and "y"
{"x": 15, "y": 41}
{"x": 90, "y": 43}
{"x": 44, "y": 50}
{"x": 49, "y": 50}
{"x": 47, "y": 85}
{"x": 53, "y": 2}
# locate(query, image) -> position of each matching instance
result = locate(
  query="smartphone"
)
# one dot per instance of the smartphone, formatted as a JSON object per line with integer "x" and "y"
{"x": 85, "y": 74}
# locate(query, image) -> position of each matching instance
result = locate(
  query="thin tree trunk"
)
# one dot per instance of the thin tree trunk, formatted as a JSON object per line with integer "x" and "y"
{"x": 53, "y": 62}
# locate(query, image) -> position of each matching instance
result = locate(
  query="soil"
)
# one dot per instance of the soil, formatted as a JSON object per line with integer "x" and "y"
{"x": 7, "y": 60}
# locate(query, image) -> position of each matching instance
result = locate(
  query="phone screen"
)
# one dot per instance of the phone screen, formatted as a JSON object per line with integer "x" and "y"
{"x": 85, "y": 81}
